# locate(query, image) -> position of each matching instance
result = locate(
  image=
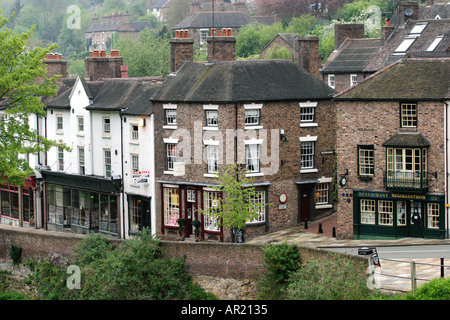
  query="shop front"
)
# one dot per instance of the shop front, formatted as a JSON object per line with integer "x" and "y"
{"x": 80, "y": 204}
{"x": 18, "y": 204}
{"x": 398, "y": 215}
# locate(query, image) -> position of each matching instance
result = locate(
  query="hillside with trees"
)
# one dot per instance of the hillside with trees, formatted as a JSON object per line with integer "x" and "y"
{"x": 53, "y": 24}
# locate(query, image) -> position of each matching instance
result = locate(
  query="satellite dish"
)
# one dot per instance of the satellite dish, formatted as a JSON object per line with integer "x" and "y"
{"x": 408, "y": 12}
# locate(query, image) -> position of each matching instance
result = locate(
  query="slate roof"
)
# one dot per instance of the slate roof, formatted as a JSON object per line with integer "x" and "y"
{"x": 411, "y": 79}
{"x": 115, "y": 26}
{"x": 130, "y": 95}
{"x": 222, "y": 19}
{"x": 353, "y": 56}
{"x": 426, "y": 12}
{"x": 407, "y": 139}
{"x": 420, "y": 45}
{"x": 241, "y": 81}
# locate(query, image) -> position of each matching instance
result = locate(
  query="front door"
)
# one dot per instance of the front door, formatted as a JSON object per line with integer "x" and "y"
{"x": 416, "y": 219}
{"x": 190, "y": 212}
{"x": 305, "y": 203}
{"x": 146, "y": 221}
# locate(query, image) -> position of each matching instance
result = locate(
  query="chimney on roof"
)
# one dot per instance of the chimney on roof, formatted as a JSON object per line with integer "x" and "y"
{"x": 408, "y": 10}
{"x": 240, "y": 6}
{"x": 94, "y": 19}
{"x": 55, "y": 65}
{"x": 99, "y": 65}
{"x": 221, "y": 45}
{"x": 343, "y": 31}
{"x": 308, "y": 55}
{"x": 181, "y": 49}
{"x": 195, "y": 7}
{"x": 386, "y": 30}
{"x": 124, "y": 71}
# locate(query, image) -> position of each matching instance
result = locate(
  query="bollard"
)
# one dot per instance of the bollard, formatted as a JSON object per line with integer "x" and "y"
{"x": 442, "y": 267}
{"x": 413, "y": 277}
{"x": 306, "y": 224}
{"x": 334, "y": 232}
{"x": 320, "y": 228}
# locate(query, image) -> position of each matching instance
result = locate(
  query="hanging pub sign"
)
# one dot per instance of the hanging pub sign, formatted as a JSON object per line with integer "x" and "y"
{"x": 141, "y": 177}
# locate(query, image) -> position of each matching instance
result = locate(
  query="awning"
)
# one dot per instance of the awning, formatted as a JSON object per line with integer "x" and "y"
{"x": 408, "y": 139}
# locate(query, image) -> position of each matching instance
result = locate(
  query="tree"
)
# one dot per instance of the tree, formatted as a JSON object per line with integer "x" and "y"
{"x": 282, "y": 8}
{"x": 20, "y": 99}
{"x": 238, "y": 205}
{"x": 149, "y": 56}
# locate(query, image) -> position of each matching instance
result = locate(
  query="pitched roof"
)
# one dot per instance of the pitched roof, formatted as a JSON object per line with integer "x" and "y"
{"x": 129, "y": 95}
{"x": 433, "y": 29}
{"x": 353, "y": 56}
{"x": 222, "y": 19}
{"x": 408, "y": 79}
{"x": 241, "y": 81}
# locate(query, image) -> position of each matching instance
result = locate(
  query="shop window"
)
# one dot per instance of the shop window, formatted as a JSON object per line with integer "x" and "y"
{"x": 367, "y": 211}
{"x": 211, "y": 202}
{"x": 385, "y": 212}
{"x": 322, "y": 193}
{"x": 260, "y": 205}
{"x": 401, "y": 213}
{"x": 171, "y": 206}
{"x": 433, "y": 215}
{"x": 135, "y": 211}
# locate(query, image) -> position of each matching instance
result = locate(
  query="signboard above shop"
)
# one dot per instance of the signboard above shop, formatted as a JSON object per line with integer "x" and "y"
{"x": 141, "y": 177}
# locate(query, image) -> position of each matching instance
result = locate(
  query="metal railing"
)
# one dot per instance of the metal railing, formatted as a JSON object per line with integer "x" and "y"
{"x": 414, "y": 278}
{"x": 406, "y": 180}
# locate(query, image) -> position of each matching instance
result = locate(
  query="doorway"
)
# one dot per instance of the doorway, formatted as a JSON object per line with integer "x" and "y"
{"x": 416, "y": 219}
{"x": 305, "y": 203}
{"x": 191, "y": 212}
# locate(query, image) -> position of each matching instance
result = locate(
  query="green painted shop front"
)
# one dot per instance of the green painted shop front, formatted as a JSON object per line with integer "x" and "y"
{"x": 398, "y": 215}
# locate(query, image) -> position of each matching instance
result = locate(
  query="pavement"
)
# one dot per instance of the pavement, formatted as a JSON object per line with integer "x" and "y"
{"x": 394, "y": 274}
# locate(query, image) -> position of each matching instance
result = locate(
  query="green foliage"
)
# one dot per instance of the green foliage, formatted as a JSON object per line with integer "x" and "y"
{"x": 436, "y": 289}
{"x": 21, "y": 95}
{"x": 237, "y": 207}
{"x": 252, "y": 38}
{"x": 280, "y": 261}
{"x": 7, "y": 295}
{"x": 330, "y": 278}
{"x": 150, "y": 56}
{"x": 278, "y": 52}
{"x": 137, "y": 270}
{"x": 15, "y": 253}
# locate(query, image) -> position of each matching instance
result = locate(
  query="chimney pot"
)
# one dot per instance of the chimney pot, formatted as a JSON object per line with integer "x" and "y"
{"x": 103, "y": 53}
{"x": 96, "y": 53}
{"x": 91, "y": 54}
{"x": 177, "y": 33}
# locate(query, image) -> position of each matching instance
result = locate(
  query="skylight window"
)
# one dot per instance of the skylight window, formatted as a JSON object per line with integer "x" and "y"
{"x": 435, "y": 43}
{"x": 404, "y": 46}
{"x": 418, "y": 28}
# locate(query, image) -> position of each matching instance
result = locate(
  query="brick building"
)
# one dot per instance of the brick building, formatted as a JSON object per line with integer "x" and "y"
{"x": 304, "y": 50}
{"x": 356, "y": 57}
{"x": 270, "y": 115}
{"x": 392, "y": 152}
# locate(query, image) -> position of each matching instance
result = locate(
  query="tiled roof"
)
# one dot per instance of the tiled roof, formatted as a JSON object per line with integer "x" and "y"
{"x": 222, "y": 19}
{"x": 241, "y": 81}
{"x": 415, "y": 79}
{"x": 353, "y": 56}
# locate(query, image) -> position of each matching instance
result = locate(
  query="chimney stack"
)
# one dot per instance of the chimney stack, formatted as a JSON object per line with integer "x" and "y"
{"x": 98, "y": 65}
{"x": 195, "y": 7}
{"x": 408, "y": 10}
{"x": 55, "y": 65}
{"x": 343, "y": 31}
{"x": 181, "y": 49}
{"x": 308, "y": 55}
{"x": 221, "y": 45}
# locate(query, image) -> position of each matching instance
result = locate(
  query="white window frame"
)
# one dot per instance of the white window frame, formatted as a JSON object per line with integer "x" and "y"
{"x": 60, "y": 159}
{"x": 433, "y": 215}
{"x": 212, "y": 158}
{"x": 170, "y": 108}
{"x": 134, "y": 162}
{"x": 171, "y": 206}
{"x": 80, "y": 125}
{"x": 368, "y": 209}
{"x": 385, "y": 212}
{"x": 106, "y": 126}
{"x": 366, "y": 161}
{"x": 260, "y": 197}
{"x": 323, "y": 193}
{"x": 203, "y": 39}
{"x": 253, "y": 157}
{"x": 107, "y": 161}
{"x": 81, "y": 161}
{"x": 353, "y": 80}
{"x": 171, "y": 157}
{"x": 59, "y": 123}
{"x": 332, "y": 81}
{"x": 134, "y": 132}
{"x": 308, "y": 141}
{"x": 409, "y": 116}
{"x": 256, "y": 109}
{"x": 211, "y": 199}
{"x": 308, "y": 114}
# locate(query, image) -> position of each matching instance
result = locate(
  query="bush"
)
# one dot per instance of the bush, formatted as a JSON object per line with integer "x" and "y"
{"x": 436, "y": 289}
{"x": 280, "y": 261}
{"x": 331, "y": 278}
{"x": 137, "y": 270}
{"x": 15, "y": 253}
{"x": 7, "y": 295}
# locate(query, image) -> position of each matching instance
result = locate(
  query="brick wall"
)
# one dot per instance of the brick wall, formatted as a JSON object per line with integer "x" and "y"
{"x": 373, "y": 123}
{"x": 224, "y": 260}
{"x": 221, "y": 48}
{"x": 103, "y": 67}
{"x": 343, "y": 31}
{"x": 182, "y": 50}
